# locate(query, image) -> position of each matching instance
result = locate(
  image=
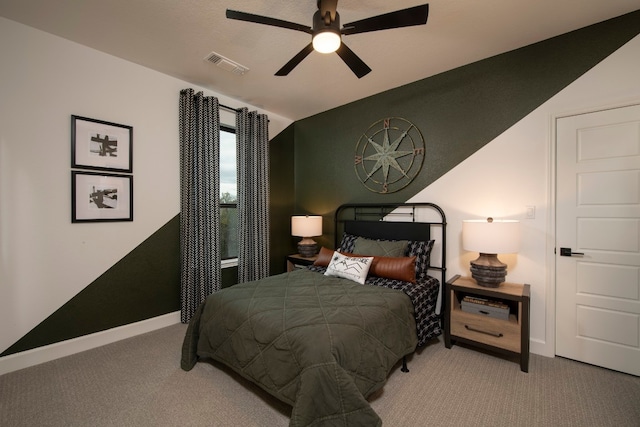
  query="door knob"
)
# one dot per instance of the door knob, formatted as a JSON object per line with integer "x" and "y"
{"x": 568, "y": 252}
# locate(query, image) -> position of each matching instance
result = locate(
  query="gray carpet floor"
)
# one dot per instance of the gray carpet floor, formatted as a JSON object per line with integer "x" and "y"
{"x": 138, "y": 382}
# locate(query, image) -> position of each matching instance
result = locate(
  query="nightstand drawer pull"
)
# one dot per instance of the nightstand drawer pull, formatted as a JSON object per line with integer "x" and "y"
{"x": 497, "y": 335}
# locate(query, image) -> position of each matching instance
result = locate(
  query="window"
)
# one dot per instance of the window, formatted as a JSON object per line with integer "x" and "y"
{"x": 228, "y": 194}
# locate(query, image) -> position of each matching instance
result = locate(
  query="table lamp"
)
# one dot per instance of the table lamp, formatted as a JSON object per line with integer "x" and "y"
{"x": 490, "y": 237}
{"x": 306, "y": 226}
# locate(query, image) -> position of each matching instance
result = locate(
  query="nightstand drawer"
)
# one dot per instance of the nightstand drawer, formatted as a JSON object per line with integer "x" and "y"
{"x": 496, "y": 332}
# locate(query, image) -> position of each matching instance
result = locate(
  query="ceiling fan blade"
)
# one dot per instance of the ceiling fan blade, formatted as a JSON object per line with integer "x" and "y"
{"x": 258, "y": 19}
{"x": 356, "y": 64}
{"x": 401, "y": 18}
{"x": 328, "y": 6}
{"x": 295, "y": 60}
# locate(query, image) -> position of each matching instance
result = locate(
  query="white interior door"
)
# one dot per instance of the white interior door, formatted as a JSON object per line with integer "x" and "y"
{"x": 598, "y": 224}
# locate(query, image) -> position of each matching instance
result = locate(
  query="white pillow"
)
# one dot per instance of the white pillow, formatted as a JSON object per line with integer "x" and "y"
{"x": 352, "y": 268}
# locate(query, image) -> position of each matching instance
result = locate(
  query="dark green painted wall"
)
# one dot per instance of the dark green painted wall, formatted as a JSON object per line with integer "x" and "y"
{"x": 282, "y": 197}
{"x": 311, "y": 166}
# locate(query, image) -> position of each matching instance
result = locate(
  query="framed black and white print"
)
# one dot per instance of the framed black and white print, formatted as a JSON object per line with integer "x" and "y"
{"x": 101, "y": 197}
{"x": 96, "y": 144}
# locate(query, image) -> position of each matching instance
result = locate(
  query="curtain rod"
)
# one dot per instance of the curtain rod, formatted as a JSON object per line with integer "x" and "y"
{"x": 235, "y": 110}
{"x": 226, "y": 107}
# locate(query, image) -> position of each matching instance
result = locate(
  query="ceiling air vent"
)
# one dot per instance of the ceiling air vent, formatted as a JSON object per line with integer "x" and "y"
{"x": 226, "y": 64}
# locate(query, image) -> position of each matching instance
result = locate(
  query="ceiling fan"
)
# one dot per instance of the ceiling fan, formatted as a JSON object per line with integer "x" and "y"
{"x": 326, "y": 33}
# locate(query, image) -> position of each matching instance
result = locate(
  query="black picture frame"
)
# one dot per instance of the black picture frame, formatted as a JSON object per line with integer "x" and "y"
{"x": 100, "y": 145}
{"x": 101, "y": 197}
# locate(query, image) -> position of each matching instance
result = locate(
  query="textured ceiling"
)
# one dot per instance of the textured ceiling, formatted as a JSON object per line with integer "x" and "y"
{"x": 173, "y": 37}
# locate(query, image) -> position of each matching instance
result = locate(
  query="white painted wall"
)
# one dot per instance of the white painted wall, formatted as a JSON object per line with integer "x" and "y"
{"x": 516, "y": 170}
{"x": 44, "y": 259}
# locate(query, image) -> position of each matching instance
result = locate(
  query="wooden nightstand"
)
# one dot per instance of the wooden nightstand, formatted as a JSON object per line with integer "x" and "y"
{"x": 509, "y": 336}
{"x": 297, "y": 260}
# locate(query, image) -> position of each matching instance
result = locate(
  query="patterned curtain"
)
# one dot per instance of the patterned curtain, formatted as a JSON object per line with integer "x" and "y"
{"x": 252, "y": 135}
{"x": 199, "y": 199}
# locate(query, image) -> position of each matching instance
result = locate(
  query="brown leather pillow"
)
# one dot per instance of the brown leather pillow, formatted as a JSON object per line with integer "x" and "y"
{"x": 324, "y": 257}
{"x": 398, "y": 268}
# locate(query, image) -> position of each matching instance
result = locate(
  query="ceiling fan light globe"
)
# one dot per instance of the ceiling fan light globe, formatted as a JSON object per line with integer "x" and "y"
{"x": 326, "y": 41}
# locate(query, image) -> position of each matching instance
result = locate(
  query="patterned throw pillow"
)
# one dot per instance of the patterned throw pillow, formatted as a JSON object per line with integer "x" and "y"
{"x": 347, "y": 243}
{"x": 352, "y": 268}
{"x": 421, "y": 249}
{"x": 387, "y": 248}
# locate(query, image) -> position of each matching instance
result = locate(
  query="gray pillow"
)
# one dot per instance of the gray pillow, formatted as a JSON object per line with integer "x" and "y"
{"x": 388, "y": 248}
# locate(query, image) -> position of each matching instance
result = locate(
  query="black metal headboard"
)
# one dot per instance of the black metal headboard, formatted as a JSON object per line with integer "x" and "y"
{"x": 396, "y": 221}
{"x": 388, "y": 230}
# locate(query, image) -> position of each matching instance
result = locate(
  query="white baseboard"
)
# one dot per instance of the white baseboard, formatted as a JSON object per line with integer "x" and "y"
{"x": 541, "y": 348}
{"x": 14, "y": 362}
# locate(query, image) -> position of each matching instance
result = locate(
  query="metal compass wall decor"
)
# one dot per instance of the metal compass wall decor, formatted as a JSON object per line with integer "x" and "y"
{"x": 389, "y": 155}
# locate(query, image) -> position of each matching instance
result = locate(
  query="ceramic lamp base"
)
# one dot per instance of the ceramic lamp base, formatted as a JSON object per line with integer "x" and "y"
{"x": 307, "y": 247}
{"x": 488, "y": 270}
{"x": 308, "y": 251}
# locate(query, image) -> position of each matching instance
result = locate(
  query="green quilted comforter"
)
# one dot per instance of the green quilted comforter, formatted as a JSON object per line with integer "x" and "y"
{"x": 321, "y": 344}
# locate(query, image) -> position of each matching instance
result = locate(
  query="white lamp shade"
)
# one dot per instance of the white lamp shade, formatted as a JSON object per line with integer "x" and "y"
{"x": 306, "y": 226}
{"x": 497, "y": 237}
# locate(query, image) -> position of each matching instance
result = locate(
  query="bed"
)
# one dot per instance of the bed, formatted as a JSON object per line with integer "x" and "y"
{"x": 324, "y": 338}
